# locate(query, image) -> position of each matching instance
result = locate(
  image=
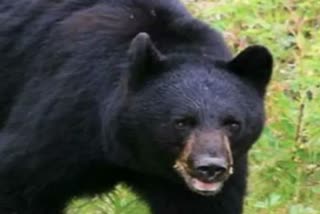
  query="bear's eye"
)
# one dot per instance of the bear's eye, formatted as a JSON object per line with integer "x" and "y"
{"x": 232, "y": 126}
{"x": 185, "y": 123}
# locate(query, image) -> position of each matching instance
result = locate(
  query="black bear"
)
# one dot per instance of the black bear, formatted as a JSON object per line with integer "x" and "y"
{"x": 97, "y": 92}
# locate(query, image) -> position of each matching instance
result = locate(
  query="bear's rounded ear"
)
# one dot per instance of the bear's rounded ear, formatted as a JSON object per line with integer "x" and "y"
{"x": 144, "y": 60}
{"x": 254, "y": 64}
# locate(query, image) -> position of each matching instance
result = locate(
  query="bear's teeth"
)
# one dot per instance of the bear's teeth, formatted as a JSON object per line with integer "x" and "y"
{"x": 203, "y": 186}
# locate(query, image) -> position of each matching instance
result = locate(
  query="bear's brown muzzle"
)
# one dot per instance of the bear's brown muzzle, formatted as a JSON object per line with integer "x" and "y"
{"x": 206, "y": 157}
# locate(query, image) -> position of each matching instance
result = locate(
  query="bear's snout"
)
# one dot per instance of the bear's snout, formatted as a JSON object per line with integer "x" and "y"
{"x": 206, "y": 161}
{"x": 209, "y": 169}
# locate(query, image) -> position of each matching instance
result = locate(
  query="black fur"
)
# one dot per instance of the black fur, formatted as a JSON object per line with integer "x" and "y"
{"x": 84, "y": 105}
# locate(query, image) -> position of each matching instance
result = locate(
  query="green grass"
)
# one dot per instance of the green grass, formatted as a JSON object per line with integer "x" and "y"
{"x": 285, "y": 163}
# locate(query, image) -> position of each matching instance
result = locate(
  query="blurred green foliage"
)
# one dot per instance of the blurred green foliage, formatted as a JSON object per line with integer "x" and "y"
{"x": 285, "y": 163}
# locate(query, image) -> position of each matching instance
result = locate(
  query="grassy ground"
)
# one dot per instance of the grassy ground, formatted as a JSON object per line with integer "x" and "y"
{"x": 285, "y": 164}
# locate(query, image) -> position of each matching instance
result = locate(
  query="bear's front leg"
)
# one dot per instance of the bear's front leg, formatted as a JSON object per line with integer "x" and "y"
{"x": 168, "y": 198}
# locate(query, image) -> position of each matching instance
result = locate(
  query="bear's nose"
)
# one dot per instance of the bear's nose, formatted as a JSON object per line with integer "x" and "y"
{"x": 209, "y": 169}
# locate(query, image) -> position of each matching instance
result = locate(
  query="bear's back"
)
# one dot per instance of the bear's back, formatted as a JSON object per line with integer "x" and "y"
{"x": 39, "y": 36}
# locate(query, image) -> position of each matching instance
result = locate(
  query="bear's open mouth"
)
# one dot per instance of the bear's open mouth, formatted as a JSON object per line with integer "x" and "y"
{"x": 205, "y": 188}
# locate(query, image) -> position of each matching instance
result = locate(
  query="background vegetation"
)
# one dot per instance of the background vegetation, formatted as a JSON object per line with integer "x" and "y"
{"x": 285, "y": 164}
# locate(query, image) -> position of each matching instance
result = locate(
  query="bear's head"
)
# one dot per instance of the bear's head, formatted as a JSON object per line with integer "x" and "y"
{"x": 191, "y": 116}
